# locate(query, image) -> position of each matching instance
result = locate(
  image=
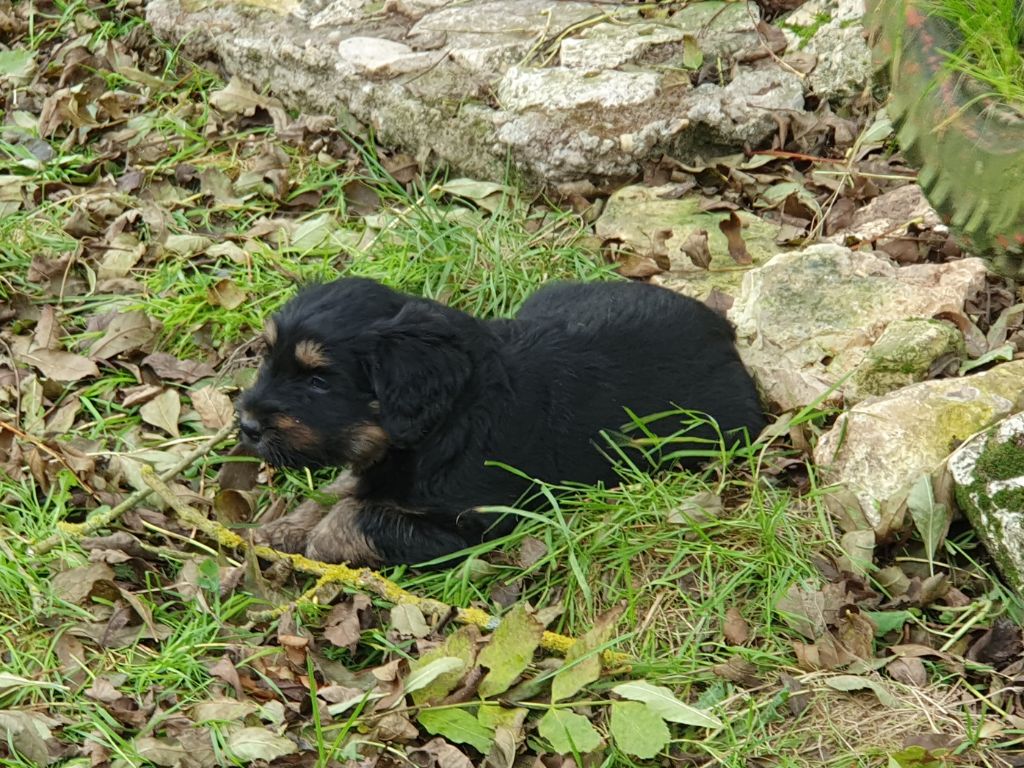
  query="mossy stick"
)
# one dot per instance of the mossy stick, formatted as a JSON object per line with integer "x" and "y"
{"x": 362, "y": 579}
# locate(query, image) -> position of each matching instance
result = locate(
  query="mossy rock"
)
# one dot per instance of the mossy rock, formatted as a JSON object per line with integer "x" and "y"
{"x": 968, "y": 144}
{"x": 989, "y": 474}
{"x": 905, "y": 353}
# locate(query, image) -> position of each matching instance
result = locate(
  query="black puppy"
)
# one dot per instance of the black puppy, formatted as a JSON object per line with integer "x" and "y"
{"x": 415, "y": 398}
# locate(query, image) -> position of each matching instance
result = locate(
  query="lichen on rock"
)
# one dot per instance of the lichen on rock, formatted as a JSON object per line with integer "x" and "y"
{"x": 988, "y": 472}
{"x": 877, "y": 450}
{"x": 905, "y": 353}
{"x": 808, "y": 318}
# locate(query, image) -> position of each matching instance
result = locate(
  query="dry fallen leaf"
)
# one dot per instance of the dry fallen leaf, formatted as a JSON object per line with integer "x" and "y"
{"x": 226, "y": 293}
{"x": 732, "y": 229}
{"x": 439, "y": 752}
{"x": 126, "y": 331}
{"x": 735, "y": 628}
{"x": 169, "y": 367}
{"x": 740, "y": 671}
{"x": 856, "y": 632}
{"x": 238, "y": 97}
{"x": 60, "y": 366}
{"x": 531, "y": 550}
{"x": 910, "y": 671}
{"x": 163, "y": 411}
{"x": 696, "y": 248}
{"x": 214, "y": 407}
{"x": 233, "y": 506}
{"x": 344, "y": 626}
{"x": 639, "y": 266}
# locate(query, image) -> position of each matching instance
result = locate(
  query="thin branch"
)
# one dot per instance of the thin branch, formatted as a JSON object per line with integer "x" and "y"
{"x": 102, "y": 518}
{"x": 362, "y": 579}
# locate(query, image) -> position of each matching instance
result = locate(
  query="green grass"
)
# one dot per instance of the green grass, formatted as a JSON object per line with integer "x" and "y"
{"x": 638, "y": 544}
{"x": 676, "y": 552}
{"x": 44, "y": 643}
{"x": 990, "y": 52}
{"x": 487, "y": 265}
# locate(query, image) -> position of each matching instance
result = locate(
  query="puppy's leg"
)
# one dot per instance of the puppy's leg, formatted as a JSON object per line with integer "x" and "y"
{"x": 291, "y": 532}
{"x": 374, "y": 534}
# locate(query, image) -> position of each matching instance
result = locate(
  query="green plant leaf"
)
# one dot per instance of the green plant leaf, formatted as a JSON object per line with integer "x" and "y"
{"x": 1001, "y": 353}
{"x": 473, "y": 189}
{"x": 917, "y": 756}
{"x": 859, "y": 547}
{"x": 428, "y": 673}
{"x": 568, "y": 732}
{"x": 510, "y": 650}
{"x": 495, "y": 715}
{"x": 637, "y": 730}
{"x": 858, "y": 683}
{"x": 460, "y": 645}
{"x": 18, "y": 63}
{"x": 457, "y": 725}
{"x": 693, "y": 56}
{"x": 930, "y": 518}
{"x": 888, "y": 621}
{"x": 583, "y": 661}
{"x": 663, "y": 703}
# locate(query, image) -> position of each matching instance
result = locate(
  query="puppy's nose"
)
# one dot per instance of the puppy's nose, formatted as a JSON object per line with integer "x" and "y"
{"x": 250, "y": 427}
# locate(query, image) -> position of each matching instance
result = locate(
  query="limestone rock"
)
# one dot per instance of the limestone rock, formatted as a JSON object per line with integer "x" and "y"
{"x": 565, "y": 89}
{"x": 807, "y": 318}
{"x": 721, "y": 30}
{"x": 744, "y": 108}
{"x": 904, "y": 354}
{"x": 377, "y": 56}
{"x": 988, "y": 472}
{"x": 634, "y": 214}
{"x": 560, "y": 89}
{"x": 877, "y": 450}
{"x": 606, "y": 46}
{"x": 831, "y": 30}
{"x": 887, "y": 216}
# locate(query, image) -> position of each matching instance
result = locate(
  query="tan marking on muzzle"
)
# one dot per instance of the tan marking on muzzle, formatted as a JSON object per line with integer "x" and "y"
{"x": 310, "y": 354}
{"x": 295, "y": 433}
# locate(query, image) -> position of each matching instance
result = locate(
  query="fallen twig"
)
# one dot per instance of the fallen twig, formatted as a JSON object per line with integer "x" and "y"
{"x": 101, "y": 518}
{"x": 363, "y": 579}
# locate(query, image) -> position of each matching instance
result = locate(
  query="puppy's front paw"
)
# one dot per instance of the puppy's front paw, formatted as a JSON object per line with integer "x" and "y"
{"x": 291, "y": 532}
{"x": 339, "y": 537}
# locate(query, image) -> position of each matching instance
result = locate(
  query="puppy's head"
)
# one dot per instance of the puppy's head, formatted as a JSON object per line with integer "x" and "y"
{"x": 353, "y": 369}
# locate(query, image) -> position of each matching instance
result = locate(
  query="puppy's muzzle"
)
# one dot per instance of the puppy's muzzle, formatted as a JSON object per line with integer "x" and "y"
{"x": 251, "y": 428}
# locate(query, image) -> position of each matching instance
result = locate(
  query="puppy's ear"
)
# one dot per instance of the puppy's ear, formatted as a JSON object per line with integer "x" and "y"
{"x": 418, "y": 367}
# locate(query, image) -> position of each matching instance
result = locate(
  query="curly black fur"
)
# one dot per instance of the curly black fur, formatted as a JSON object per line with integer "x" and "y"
{"x": 417, "y": 398}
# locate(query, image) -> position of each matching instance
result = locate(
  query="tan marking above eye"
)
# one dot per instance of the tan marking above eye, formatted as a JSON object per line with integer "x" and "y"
{"x": 270, "y": 332}
{"x": 310, "y": 354}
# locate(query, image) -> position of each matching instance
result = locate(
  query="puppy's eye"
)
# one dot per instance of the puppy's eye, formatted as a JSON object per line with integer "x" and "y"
{"x": 318, "y": 383}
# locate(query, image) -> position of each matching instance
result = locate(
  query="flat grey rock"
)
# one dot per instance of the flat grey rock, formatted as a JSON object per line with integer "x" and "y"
{"x": 566, "y": 90}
